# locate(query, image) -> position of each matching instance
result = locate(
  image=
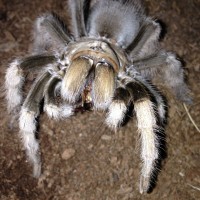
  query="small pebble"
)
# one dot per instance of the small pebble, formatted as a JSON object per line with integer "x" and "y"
{"x": 197, "y": 68}
{"x": 113, "y": 160}
{"x": 68, "y": 153}
{"x": 106, "y": 137}
{"x": 181, "y": 174}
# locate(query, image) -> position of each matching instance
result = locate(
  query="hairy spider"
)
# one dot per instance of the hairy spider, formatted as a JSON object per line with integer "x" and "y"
{"x": 104, "y": 58}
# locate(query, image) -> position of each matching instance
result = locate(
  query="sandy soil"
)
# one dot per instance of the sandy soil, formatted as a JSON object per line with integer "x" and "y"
{"x": 103, "y": 165}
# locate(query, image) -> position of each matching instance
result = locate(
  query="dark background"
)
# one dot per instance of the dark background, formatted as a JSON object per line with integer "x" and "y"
{"x": 104, "y": 165}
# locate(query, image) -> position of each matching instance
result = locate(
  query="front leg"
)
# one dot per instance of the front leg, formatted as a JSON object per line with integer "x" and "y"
{"x": 147, "y": 127}
{"x": 14, "y": 78}
{"x": 28, "y": 124}
{"x": 51, "y": 107}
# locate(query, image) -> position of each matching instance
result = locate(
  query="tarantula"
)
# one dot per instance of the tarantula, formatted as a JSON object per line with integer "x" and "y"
{"x": 104, "y": 58}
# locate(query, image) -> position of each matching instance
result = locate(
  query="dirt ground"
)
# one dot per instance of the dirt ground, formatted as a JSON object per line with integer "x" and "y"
{"x": 101, "y": 164}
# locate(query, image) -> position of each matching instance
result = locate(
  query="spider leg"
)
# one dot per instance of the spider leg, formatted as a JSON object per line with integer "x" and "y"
{"x": 151, "y": 61}
{"x": 146, "y": 39}
{"x": 158, "y": 98}
{"x": 50, "y": 107}
{"x": 118, "y": 108}
{"x": 75, "y": 78}
{"x": 103, "y": 86}
{"x": 146, "y": 120}
{"x": 50, "y": 32}
{"x": 131, "y": 89}
{"x": 28, "y": 124}
{"x": 14, "y": 78}
{"x": 148, "y": 63}
{"x": 172, "y": 74}
{"x": 75, "y": 10}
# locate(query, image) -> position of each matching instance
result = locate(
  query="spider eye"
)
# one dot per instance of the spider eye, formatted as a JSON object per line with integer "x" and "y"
{"x": 104, "y": 63}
